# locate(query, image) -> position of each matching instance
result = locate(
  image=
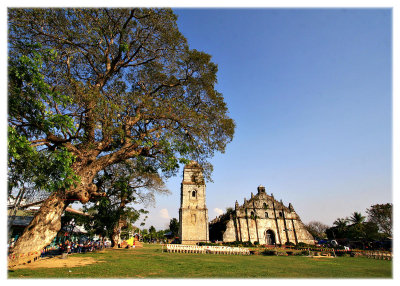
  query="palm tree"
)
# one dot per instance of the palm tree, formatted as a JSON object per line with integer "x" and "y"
{"x": 341, "y": 224}
{"x": 357, "y": 218}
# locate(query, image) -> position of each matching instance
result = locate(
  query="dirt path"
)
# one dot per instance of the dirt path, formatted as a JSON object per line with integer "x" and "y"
{"x": 57, "y": 262}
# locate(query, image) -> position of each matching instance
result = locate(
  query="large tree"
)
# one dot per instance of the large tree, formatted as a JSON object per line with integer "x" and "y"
{"x": 381, "y": 215}
{"x": 103, "y": 86}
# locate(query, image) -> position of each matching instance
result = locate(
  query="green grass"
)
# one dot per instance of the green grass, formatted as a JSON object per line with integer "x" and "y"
{"x": 150, "y": 262}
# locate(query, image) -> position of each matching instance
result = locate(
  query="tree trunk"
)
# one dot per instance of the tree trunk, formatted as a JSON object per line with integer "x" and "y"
{"x": 40, "y": 232}
{"x": 47, "y": 221}
{"x": 114, "y": 239}
{"x": 115, "y": 235}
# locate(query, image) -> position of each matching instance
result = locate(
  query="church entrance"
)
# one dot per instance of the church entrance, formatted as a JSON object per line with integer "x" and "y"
{"x": 269, "y": 237}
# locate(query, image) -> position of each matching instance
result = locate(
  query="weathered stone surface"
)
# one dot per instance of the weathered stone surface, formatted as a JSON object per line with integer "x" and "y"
{"x": 193, "y": 213}
{"x": 265, "y": 220}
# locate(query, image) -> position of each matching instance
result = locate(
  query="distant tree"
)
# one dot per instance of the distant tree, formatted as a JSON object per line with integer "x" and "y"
{"x": 317, "y": 229}
{"x": 160, "y": 235}
{"x": 357, "y": 218}
{"x": 145, "y": 234}
{"x": 152, "y": 232}
{"x": 339, "y": 229}
{"x": 361, "y": 231}
{"x": 371, "y": 232}
{"x": 364, "y": 232}
{"x": 174, "y": 227}
{"x": 381, "y": 215}
{"x": 341, "y": 223}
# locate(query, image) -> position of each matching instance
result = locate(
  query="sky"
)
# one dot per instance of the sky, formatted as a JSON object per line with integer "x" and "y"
{"x": 310, "y": 91}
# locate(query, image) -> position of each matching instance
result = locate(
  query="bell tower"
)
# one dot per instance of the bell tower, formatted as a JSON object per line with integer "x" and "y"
{"x": 193, "y": 213}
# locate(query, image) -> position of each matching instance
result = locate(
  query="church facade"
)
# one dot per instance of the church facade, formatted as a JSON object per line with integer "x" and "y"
{"x": 193, "y": 213}
{"x": 260, "y": 219}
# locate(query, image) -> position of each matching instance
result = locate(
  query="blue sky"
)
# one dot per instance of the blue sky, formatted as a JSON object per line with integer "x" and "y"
{"x": 310, "y": 92}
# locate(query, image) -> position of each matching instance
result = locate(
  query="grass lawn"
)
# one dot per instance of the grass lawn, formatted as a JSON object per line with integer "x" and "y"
{"x": 150, "y": 262}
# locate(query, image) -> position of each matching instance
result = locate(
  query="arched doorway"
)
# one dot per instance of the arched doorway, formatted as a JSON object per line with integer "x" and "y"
{"x": 269, "y": 237}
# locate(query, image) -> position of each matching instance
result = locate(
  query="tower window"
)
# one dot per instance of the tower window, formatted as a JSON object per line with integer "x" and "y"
{"x": 265, "y": 206}
{"x": 266, "y": 215}
{"x": 280, "y": 214}
{"x": 193, "y": 194}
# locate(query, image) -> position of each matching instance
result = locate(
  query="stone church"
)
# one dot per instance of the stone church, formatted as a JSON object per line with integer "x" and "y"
{"x": 193, "y": 213}
{"x": 260, "y": 219}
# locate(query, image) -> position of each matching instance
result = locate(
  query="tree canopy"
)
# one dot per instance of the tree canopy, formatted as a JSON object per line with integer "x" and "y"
{"x": 317, "y": 229}
{"x": 90, "y": 88}
{"x": 381, "y": 215}
{"x": 355, "y": 228}
{"x": 115, "y": 84}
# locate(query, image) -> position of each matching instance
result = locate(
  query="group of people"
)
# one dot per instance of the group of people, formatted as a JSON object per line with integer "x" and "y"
{"x": 82, "y": 246}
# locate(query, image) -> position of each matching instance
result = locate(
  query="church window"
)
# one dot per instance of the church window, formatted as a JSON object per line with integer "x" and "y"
{"x": 266, "y": 215}
{"x": 265, "y": 206}
{"x": 280, "y": 214}
{"x": 252, "y": 214}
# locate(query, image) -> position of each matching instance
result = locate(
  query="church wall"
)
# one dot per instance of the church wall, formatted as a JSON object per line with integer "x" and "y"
{"x": 230, "y": 233}
{"x": 302, "y": 234}
{"x": 264, "y": 225}
{"x": 268, "y": 214}
{"x": 252, "y": 229}
{"x": 244, "y": 232}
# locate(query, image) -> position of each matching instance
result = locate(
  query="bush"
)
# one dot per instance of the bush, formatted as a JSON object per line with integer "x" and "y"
{"x": 304, "y": 252}
{"x": 289, "y": 243}
{"x": 302, "y": 244}
{"x": 236, "y": 243}
{"x": 289, "y": 252}
{"x": 247, "y": 244}
{"x": 269, "y": 252}
{"x": 233, "y": 243}
{"x": 256, "y": 243}
{"x": 207, "y": 244}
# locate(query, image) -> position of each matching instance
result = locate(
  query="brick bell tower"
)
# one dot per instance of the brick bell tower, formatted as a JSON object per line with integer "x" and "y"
{"x": 193, "y": 213}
